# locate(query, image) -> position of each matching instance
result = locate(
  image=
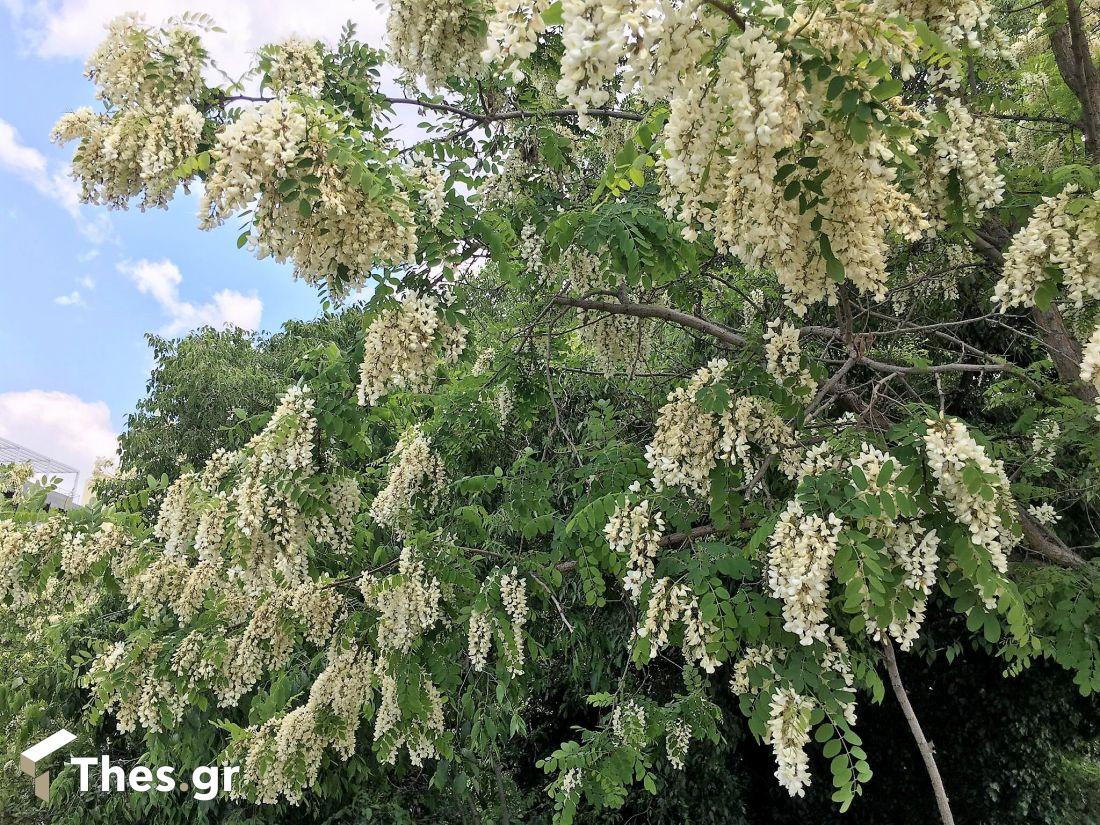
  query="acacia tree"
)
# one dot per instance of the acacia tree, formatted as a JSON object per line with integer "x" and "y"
{"x": 728, "y": 334}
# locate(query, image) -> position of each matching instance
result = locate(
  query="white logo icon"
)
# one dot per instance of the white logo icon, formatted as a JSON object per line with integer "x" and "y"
{"x": 29, "y": 759}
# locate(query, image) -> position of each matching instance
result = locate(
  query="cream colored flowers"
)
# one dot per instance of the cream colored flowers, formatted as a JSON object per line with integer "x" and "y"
{"x": 403, "y": 346}
{"x": 799, "y": 568}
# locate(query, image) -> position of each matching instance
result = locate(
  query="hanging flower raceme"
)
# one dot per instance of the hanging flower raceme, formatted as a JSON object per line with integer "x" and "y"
{"x": 407, "y": 603}
{"x": 635, "y": 531}
{"x": 788, "y": 732}
{"x": 799, "y": 568}
{"x": 1058, "y": 236}
{"x": 689, "y": 441}
{"x": 282, "y": 757}
{"x": 436, "y": 40}
{"x": 513, "y": 593}
{"x": 974, "y": 486}
{"x": 413, "y": 466}
{"x": 295, "y": 67}
{"x": 404, "y": 345}
{"x": 394, "y": 729}
{"x": 149, "y": 80}
{"x": 670, "y": 603}
{"x": 783, "y": 353}
{"x": 910, "y": 547}
{"x": 333, "y": 230}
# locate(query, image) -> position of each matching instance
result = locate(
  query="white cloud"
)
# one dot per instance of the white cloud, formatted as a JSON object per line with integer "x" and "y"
{"x": 72, "y": 28}
{"x": 28, "y": 163}
{"x": 86, "y": 257}
{"x": 161, "y": 280}
{"x": 86, "y": 281}
{"x": 59, "y": 425}
{"x": 73, "y": 299}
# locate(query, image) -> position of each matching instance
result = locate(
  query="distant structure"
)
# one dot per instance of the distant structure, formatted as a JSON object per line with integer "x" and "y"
{"x": 12, "y": 453}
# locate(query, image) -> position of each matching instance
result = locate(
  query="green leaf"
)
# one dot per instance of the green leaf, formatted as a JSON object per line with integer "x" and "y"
{"x": 887, "y": 89}
{"x": 553, "y": 14}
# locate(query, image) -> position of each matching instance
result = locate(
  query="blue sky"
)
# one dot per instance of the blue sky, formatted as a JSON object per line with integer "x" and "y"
{"x": 80, "y": 286}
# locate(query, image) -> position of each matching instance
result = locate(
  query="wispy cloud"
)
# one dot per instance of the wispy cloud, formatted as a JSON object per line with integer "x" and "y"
{"x": 73, "y": 299}
{"x": 27, "y": 163}
{"x": 86, "y": 281}
{"x": 161, "y": 280}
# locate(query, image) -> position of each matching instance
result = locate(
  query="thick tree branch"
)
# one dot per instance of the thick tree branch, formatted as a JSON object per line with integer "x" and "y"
{"x": 1046, "y": 544}
{"x": 718, "y": 331}
{"x": 927, "y": 752}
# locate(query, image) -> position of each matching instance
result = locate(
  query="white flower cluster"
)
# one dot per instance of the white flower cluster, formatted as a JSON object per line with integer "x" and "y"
{"x": 145, "y": 700}
{"x": 14, "y": 479}
{"x": 800, "y": 562}
{"x": 912, "y": 549}
{"x": 762, "y": 656}
{"x": 12, "y": 544}
{"x": 788, "y": 732}
{"x": 968, "y": 148}
{"x": 570, "y": 783}
{"x": 951, "y": 451}
{"x": 677, "y": 742}
{"x": 333, "y": 231}
{"x": 817, "y": 460}
{"x": 593, "y": 39}
{"x": 513, "y": 592}
{"x": 728, "y": 131}
{"x": 688, "y": 442}
{"x": 296, "y": 67}
{"x": 436, "y": 40}
{"x": 479, "y": 638}
{"x": 1055, "y": 236}
{"x": 514, "y": 28}
{"x": 431, "y": 186}
{"x": 668, "y": 604}
{"x": 132, "y": 152}
{"x": 252, "y": 153}
{"x": 1045, "y": 514}
{"x": 400, "y": 350}
{"x": 963, "y": 24}
{"x": 282, "y": 757}
{"x": 783, "y": 353}
{"x": 407, "y": 603}
{"x": 265, "y": 504}
{"x": 628, "y": 724}
{"x": 136, "y": 65}
{"x": 148, "y": 80}
{"x": 789, "y": 713}
{"x": 412, "y": 466}
{"x": 392, "y": 731}
{"x": 635, "y": 530}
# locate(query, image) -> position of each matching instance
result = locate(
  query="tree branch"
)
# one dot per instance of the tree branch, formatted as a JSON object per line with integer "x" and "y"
{"x": 514, "y": 114}
{"x": 926, "y": 750}
{"x": 718, "y": 331}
